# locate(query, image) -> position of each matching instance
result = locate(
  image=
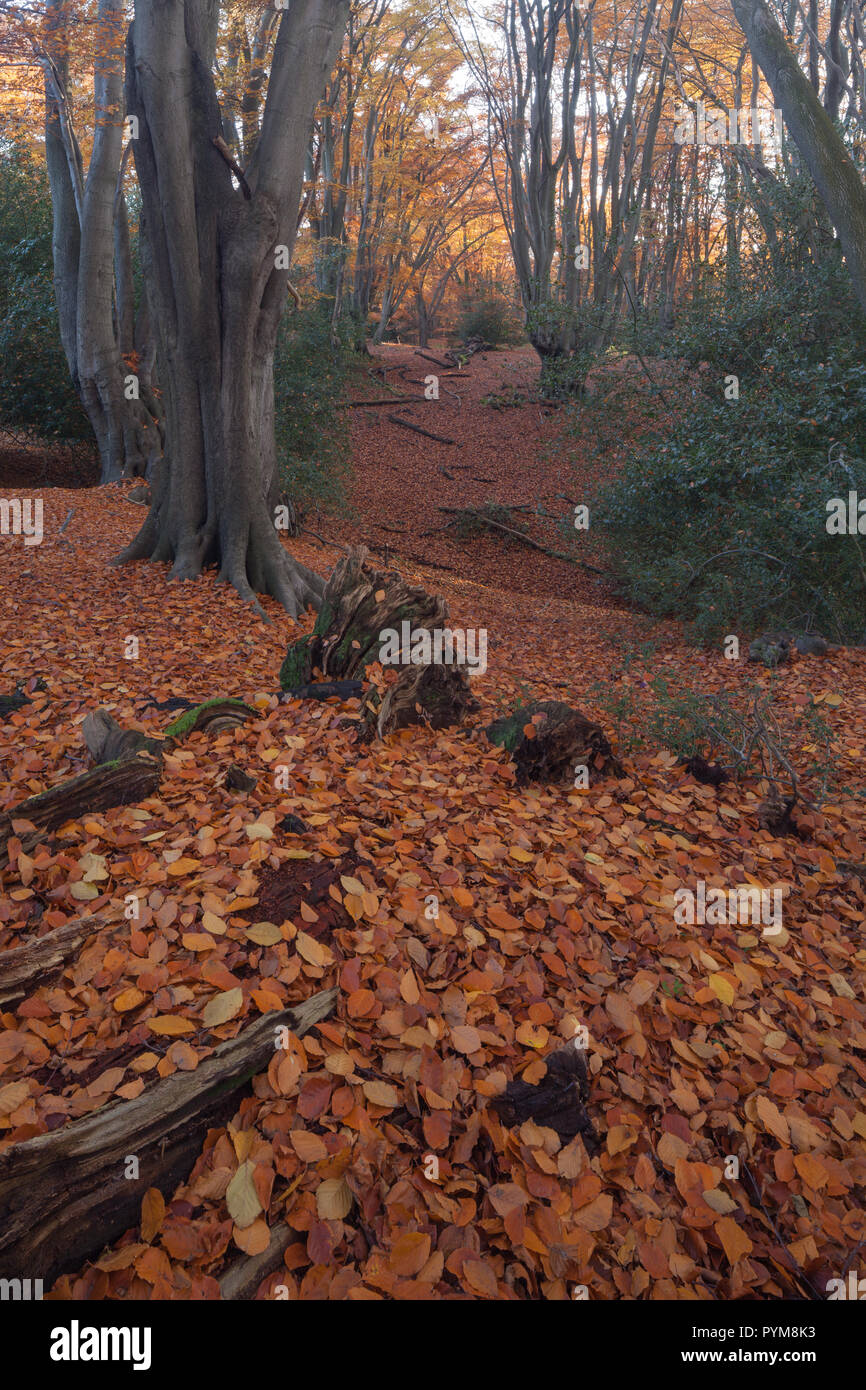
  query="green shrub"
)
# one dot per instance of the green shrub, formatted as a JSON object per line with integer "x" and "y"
{"x": 310, "y": 372}
{"x": 720, "y": 517}
{"x": 36, "y": 392}
{"x": 491, "y": 316}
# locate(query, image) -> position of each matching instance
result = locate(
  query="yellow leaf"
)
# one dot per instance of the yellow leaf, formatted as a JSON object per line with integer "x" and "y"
{"x": 719, "y": 1201}
{"x": 259, "y": 831}
{"x": 722, "y": 988}
{"x": 312, "y": 950}
{"x": 83, "y": 892}
{"x": 296, "y": 854}
{"x": 242, "y": 1199}
{"x": 264, "y": 933}
{"x": 182, "y": 866}
{"x": 170, "y": 1025}
{"x": 222, "y": 1007}
{"x": 128, "y": 999}
{"x": 333, "y": 1199}
{"x": 352, "y": 885}
{"x": 521, "y": 855}
{"x": 215, "y": 925}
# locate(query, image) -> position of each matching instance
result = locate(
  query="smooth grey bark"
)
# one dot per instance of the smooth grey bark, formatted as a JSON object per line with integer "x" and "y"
{"x": 90, "y": 243}
{"x": 811, "y": 127}
{"x": 215, "y": 261}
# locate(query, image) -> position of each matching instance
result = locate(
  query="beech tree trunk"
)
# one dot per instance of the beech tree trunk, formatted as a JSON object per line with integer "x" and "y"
{"x": 90, "y": 242}
{"x": 215, "y": 258}
{"x": 811, "y": 127}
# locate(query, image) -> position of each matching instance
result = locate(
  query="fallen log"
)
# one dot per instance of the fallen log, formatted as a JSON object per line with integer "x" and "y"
{"x": 64, "y": 1195}
{"x": 107, "y": 742}
{"x": 112, "y": 784}
{"x": 22, "y": 967}
{"x": 428, "y": 357}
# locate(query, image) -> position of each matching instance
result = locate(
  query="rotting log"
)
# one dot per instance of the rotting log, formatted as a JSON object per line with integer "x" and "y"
{"x": 428, "y": 434}
{"x": 23, "y": 967}
{"x": 107, "y": 742}
{"x": 119, "y": 783}
{"x": 64, "y": 1195}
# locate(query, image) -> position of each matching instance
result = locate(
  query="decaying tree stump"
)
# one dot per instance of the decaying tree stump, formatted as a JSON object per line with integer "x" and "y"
{"x": 120, "y": 783}
{"x": 358, "y": 606}
{"x": 434, "y": 695}
{"x": 22, "y": 967}
{"x": 64, "y": 1195}
{"x": 557, "y": 1102}
{"x": 107, "y": 742}
{"x": 562, "y": 740}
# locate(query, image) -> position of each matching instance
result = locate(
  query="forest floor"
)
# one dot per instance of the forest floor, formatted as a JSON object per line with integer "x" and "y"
{"x": 728, "y": 1066}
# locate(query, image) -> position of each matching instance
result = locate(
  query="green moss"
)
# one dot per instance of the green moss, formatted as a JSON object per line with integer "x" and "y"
{"x": 324, "y": 620}
{"x": 297, "y": 664}
{"x": 508, "y": 732}
{"x": 186, "y": 722}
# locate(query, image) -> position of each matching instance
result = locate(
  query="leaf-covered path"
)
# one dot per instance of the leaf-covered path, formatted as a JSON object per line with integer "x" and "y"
{"x": 469, "y": 926}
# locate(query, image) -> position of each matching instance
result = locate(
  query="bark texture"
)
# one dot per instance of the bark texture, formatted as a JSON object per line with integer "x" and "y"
{"x": 109, "y": 356}
{"x": 215, "y": 257}
{"x": 811, "y": 127}
{"x": 65, "y": 1195}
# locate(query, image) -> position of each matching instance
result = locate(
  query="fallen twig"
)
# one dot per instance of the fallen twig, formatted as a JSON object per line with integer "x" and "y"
{"x": 527, "y": 540}
{"x": 428, "y": 434}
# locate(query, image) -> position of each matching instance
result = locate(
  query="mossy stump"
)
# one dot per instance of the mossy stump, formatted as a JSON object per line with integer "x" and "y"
{"x": 561, "y": 741}
{"x": 358, "y": 604}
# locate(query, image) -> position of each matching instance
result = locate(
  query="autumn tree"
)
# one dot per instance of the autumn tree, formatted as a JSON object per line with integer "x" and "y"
{"x": 216, "y": 244}
{"x": 811, "y": 125}
{"x": 107, "y": 345}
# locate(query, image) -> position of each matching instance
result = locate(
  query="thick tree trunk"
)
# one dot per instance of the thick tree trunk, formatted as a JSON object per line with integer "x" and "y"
{"x": 216, "y": 261}
{"x": 84, "y": 246}
{"x": 835, "y": 174}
